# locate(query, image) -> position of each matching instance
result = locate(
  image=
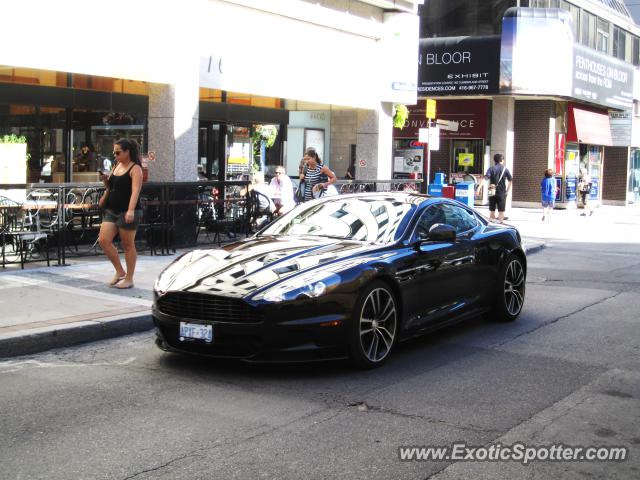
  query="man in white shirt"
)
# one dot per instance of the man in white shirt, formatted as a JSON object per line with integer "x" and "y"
{"x": 282, "y": 190}
{"x": 265, "y": 203}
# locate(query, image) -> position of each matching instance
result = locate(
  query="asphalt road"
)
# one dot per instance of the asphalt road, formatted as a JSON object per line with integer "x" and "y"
{"x": 568, "y": 371}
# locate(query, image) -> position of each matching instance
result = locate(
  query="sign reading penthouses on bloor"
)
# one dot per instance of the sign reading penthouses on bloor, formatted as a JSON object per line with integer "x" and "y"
{"x": 601, "y": 79}
{"x": 459, "y": 66}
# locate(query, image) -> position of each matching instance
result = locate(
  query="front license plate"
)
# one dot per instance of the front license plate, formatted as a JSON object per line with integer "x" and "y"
{"x": 196, "y": 331}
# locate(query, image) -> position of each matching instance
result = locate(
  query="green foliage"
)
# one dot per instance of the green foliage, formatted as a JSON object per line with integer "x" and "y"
{"x": 400, "y": 115}
{"x": 266, "y": 134}
{"x": 13, "y": 138}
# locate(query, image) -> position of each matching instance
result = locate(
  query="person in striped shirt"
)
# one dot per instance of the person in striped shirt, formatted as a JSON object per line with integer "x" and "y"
{"x": 313, "y": 172}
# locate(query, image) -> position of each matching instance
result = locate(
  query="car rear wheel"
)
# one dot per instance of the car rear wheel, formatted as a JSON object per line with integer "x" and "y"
{"x": 510, "y": 297}
{"x": 374, "y": 326}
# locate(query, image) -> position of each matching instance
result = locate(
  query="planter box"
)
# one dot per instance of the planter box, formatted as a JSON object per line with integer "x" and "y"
{"x": 13, "y": 168}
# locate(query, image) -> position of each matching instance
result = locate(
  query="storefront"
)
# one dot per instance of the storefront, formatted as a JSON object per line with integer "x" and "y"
{"x": 294, "y": 57}
{"x": 239, "y": 133}
{"x": 581, "y": 150}
{"x": 462, "y": 153}
{"x": 70, "y": 131}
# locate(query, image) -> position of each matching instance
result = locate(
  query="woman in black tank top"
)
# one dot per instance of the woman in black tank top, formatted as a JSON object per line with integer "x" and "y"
{"x": 122, "y": 214}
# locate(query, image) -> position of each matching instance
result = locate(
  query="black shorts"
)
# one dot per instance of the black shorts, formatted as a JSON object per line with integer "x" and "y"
{"x": 499, "y": 201}
{"x": 118, "y": 218}
{"x": 584, "y": 197}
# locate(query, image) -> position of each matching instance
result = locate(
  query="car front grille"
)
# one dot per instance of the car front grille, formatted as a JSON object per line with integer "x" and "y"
{"x": 200, "y": 306}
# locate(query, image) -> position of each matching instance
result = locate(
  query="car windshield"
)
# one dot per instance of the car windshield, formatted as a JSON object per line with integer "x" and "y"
{"x": 368, "y": 219}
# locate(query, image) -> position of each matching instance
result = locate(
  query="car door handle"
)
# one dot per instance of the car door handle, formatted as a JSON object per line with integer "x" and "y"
{"x": 460, "y": 260}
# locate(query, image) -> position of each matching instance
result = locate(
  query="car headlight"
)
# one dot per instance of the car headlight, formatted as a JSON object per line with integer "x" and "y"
{"x": 310, "y": 285}
{"x": 167, "y": 276}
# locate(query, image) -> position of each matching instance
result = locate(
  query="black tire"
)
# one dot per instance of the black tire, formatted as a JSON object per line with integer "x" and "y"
{"x": 377, "y": 306}
{"x": 511, "y": 287}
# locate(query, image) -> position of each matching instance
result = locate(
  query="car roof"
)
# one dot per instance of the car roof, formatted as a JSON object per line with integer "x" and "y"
{"x": 420, "y": 200}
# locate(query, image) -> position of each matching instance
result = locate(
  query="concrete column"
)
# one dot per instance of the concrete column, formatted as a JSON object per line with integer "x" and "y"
{"x": 173, "y": 129}
{"x": 374, "y": 136}
{"x": 502, "y": 116}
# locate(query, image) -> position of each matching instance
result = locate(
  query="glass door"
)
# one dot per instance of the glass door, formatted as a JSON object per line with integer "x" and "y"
{"x": 211, "y": 141}
{"x": 239, "y": 152}
{"x": 633, "y": 194}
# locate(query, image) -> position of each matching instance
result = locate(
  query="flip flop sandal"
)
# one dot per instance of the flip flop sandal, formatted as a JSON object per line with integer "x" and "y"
{"x": 115, "y": 280}
{"x": 123, "y": 286}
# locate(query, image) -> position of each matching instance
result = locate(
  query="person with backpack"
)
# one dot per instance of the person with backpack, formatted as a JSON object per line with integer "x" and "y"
{"x": 500, "y": 180}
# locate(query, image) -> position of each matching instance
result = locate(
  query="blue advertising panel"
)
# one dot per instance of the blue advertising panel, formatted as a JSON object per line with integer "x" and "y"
{"x": 570, "y": 192}
{"x": 595, "y": 183}
{"x": 558, "y": 189}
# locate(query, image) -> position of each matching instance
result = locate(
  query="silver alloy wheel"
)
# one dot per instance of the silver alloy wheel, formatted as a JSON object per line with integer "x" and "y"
{"x": 378, "y": 320}
{"x": 514, "y": 287}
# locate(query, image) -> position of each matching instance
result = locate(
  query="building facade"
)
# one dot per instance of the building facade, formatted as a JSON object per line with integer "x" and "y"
{"x": 547, "y": 83}
{"x": 214, "y": 88}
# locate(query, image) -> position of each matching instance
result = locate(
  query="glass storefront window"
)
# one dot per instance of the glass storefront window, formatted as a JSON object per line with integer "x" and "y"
{"x": 239, "y": 152}
{"x": 468, "y": 156}
{"x": 44, "y": 131}
{"x": 31, "y": 76}
{"x": 93, "y": 136}
{"x": 253, "y": 100}
{"x": 108, "y": 84}
{"x": 462, "y": 17}
{"x": 633, "y": 192}
{"x": 210, "y": 95}
{"x": 50, "y": 78}
{"x": 91, "y": 140}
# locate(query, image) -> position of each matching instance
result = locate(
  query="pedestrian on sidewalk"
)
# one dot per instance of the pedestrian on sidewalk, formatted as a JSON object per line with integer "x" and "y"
{"x": 584, "y": 187}
{"x": 122, "y": 212}
{"x": 313, "y": 173}
{"x": 548, "y": 191}
{"x": 500, "y": 180}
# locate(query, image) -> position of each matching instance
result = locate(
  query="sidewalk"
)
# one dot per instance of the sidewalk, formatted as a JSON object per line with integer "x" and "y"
{"x": 64, "y": 306}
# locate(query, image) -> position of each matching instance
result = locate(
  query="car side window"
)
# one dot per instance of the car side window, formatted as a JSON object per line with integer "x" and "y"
{"x": 432, "y": 215}
{"x": 459, "y": 218}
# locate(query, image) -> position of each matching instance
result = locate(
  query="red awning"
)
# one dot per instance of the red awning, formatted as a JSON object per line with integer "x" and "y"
{"x": 588, "y": 126}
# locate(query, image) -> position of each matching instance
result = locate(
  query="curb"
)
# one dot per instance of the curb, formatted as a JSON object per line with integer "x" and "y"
{"x": 25, "y": 342}
{"x": 536, "y": 248}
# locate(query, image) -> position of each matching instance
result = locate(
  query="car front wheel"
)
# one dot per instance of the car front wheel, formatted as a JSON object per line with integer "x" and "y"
{"x": 374, "y": 326}
{"x": 511, "y": 284}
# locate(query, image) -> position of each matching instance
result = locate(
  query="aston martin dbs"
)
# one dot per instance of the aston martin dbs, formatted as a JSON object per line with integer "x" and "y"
{"x": 344, "y": 276}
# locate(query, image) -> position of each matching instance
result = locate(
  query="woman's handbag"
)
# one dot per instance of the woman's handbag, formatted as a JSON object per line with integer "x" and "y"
{"x": 299, "y": 194}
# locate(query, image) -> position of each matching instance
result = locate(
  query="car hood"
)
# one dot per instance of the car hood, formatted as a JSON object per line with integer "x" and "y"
{"x": 242, "y": 268}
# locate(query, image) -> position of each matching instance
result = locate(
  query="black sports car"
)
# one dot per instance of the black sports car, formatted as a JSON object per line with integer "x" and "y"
{"x": 343, "y": 276}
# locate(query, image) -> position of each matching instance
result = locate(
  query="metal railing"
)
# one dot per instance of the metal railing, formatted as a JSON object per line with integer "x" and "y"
{"x": 53, "y": 221}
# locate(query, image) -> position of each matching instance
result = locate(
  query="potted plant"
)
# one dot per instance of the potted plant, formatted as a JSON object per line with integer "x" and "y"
{"x": 400, "y": 115}
{"x": 13, "y": 164}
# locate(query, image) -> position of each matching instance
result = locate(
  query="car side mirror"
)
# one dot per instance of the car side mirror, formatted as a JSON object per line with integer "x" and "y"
{"x": 438, "y": 232}
{"x": 441, "y": 232}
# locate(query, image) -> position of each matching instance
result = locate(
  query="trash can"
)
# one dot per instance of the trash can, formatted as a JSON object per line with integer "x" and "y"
{"x": 449, "y": 191}
{"x": 435, "y": 190}
{"x": 465, "y": 193}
